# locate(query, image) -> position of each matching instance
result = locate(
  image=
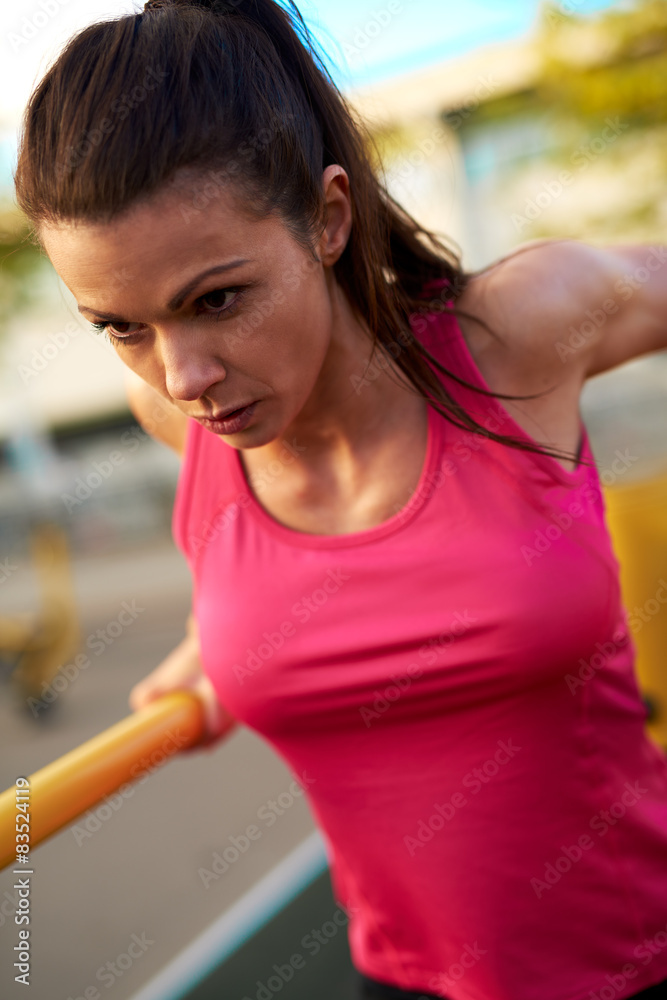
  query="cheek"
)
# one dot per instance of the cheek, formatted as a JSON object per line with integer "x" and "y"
{"x": 310, "y": 317}
{"x": 292, "y": 333}
{"x": 305, "y": 344}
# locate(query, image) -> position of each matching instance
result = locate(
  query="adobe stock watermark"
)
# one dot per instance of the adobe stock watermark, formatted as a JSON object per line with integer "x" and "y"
{"x": 430, "y": 483}
{"x": 212, "y": 183}
{"x": 41, "y": 359}
{"x": 463, "y": 448}
{"x": 430, "y": 652}
{"x": 256, "y": 311}
{"x": 468, "y": 958}
{"x": 640, "y": 616}
{"x": 121, "y": 108}
{"x": 9, "y": 906}
{"x": 605, "y": 651}
{"x": 7, "y": 567}
{"x": 600, "y": 823}
{"x": 403, "y": 169}
{"x": 97, "y": 641}
{"x": 239, "y": 844}
{"x": 383, "y": 353}
{"x": 313, "y": 942}
{"x": 645, "y": 952}
{"x": 302, "y": 610}
{"x": 444, "y": 812}
{"x": 558, "y": 13}
{"x": 261, "y": 479}
{"x": 486, "y": 87}
{"x": 468, "y": 442}
{"x": 589, "y": 668}
{"x": 85, "y": 486}
{"x": 32, "y": 24}
{"x": 95, "y": 818}
{"x": 581, "y": 158}
{"x": 563, "y": 520}
{"x": 366, "y": 33}
{"x": 626, "y": 287}
{"x": 113, "y": 970}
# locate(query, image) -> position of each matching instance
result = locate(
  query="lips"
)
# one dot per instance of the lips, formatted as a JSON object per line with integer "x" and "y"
{"x": 227, "y": 413}
{"x": 231, "y": 422}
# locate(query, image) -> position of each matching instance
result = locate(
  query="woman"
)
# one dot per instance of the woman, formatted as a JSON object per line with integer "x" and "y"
{"x": 397, "y": 578}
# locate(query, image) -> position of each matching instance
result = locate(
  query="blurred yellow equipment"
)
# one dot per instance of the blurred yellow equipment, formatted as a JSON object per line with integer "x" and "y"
{"x": 67, "y": 787}
{"x": 637, "y": 519}
{"x": 42, "y": 641}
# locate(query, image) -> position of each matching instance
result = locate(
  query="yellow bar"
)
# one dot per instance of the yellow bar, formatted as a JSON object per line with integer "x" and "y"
{"x": 636, "y": 513}
{"x": 69, "y": 786}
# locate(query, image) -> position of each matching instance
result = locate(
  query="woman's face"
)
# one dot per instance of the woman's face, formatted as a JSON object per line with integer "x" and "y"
{"x": 270, "y": 325}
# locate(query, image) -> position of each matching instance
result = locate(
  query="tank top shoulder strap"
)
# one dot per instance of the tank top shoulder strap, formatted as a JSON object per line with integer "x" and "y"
{"x": 441, "y": 335}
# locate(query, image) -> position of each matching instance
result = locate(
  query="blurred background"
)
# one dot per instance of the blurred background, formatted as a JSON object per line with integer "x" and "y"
{"x": 495, "y": 123}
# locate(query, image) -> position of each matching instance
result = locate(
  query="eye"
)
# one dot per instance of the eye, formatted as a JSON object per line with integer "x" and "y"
{"x": 218, "y": 292}
{"x": 115, "y": 334}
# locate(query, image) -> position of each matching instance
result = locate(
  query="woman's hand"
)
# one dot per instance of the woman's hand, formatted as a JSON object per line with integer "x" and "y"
{"x": 182, "y": 669}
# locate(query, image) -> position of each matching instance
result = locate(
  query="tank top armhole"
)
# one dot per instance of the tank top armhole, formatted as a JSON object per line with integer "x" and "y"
{"x": 446, "y": 343}
{"x": 185, "y": 488}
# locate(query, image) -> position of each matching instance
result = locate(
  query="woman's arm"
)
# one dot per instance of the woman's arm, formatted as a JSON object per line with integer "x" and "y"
{"x": 631, "y": 281}
{"x": 563, "y": 304}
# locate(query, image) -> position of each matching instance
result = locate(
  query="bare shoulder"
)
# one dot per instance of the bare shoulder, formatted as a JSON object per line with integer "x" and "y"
{"x": 158, "y": 417}
{"x": 537, "y": 299}
{"x": 529, "y": 299}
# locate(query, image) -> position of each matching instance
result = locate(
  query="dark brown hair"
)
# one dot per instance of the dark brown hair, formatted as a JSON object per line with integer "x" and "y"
{"x": 236, "y": 92}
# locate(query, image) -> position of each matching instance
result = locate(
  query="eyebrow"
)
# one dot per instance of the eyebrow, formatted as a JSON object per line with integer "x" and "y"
{"x": 177, "y": 301}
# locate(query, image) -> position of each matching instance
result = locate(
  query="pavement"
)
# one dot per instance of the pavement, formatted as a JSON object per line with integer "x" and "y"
{"x": 136, "y": 874}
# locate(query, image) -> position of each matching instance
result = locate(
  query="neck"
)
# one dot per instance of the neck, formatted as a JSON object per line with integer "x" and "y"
{"x": 355, "y": 403}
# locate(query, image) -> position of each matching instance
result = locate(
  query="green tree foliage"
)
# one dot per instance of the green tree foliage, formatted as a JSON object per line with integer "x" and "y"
{"x": 21, "y": 264}
{"x": 611, "y": 64}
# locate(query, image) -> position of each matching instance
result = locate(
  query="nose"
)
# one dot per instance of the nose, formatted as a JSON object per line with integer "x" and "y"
{"x": 190, "y": 366}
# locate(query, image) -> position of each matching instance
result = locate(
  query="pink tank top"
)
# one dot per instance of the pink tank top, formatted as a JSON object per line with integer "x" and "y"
{"x": 455, "y": 689}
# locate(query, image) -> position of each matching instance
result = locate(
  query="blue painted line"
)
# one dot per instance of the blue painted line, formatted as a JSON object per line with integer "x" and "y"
{"x": 239, "y": 923}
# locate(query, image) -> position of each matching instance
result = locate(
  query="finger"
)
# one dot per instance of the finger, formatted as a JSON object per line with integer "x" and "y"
{"x": 142, "y": 696}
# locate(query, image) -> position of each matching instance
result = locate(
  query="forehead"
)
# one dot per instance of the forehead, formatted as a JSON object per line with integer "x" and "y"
{"x": 134, "y": 264}
{"x": 190, "y": 216}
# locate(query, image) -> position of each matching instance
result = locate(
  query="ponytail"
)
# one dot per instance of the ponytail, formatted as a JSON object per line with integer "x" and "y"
{"x": 234, "y": 91}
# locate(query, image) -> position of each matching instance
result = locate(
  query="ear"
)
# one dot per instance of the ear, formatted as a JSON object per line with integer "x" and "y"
{"x": 336, "y": 187}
